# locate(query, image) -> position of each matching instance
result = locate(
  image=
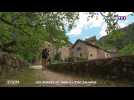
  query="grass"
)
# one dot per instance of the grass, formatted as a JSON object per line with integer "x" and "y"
{"x": 26, "y": 77}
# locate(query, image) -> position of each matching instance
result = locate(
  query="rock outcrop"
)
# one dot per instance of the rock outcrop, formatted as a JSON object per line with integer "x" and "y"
{"x": 10, "y": 62}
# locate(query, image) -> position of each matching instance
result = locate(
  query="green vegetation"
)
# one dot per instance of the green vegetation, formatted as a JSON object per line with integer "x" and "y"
{"x": 127, "y": 50}
{"x": 23, "y": 33}
{"x": 113, "y": 40}
{"x": 25, "y": 77}
{"x": 122, "y": 40}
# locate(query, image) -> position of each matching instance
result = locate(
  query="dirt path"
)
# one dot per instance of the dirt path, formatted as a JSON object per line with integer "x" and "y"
{"x": 53, "y": 76}
{"x": 58, "y": 79}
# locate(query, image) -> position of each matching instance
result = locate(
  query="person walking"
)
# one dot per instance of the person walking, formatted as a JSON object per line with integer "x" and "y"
{"x": 45, "y": 56}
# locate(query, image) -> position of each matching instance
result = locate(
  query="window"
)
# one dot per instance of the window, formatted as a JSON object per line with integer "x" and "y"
{"x": 78, "y": 49}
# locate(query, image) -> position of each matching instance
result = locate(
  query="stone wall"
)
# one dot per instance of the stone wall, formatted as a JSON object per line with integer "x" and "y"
{"x": 82, "y": 52}
{"x": 64, "y": 53}
{"x": 117, "y": 68}
{"x": 92, "y": 53}
{"x": 9, "y": 63}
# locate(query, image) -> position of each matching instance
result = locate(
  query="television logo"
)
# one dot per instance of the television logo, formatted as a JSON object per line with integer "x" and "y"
{"x": 120, "y": 17}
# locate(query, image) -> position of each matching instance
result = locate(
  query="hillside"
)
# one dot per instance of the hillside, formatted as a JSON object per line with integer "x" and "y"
{"x": 122, "y": 40}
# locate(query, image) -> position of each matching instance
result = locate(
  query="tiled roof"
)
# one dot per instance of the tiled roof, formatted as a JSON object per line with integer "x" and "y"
{"x": 91, "y": 39}
{"x": 87, "y": 43}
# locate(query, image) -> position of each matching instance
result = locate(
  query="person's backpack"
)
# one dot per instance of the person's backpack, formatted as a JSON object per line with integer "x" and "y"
{"x": 45, "y": 53}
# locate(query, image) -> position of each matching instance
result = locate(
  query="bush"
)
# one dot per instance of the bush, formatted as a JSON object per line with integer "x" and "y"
{"x": 127, "y": 50}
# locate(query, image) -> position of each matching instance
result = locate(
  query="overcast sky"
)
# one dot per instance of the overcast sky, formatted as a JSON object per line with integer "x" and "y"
{"x": 95, "y": 26}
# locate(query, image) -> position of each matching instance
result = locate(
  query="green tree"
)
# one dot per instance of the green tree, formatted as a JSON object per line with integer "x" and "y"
{"x": 115, "y": 39}
{"x": 24, "y": 32}
{"x": 127, "y": 50}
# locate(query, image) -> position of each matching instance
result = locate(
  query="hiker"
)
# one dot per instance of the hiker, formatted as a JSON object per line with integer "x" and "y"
{"x": 49, "y": 57}
{"x": 45, "y": 55}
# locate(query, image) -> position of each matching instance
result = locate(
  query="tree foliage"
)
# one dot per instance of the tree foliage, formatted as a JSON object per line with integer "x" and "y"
{"x": 24, "y": 32}
{"x": 127, "y": 49}
{"x": 121, "y": 40}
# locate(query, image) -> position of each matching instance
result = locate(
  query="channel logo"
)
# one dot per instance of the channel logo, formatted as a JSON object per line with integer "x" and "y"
{"x": 121, "y": 17}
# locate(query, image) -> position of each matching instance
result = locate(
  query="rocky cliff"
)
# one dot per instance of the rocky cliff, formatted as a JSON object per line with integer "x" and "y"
{"x": 10, "y": 62}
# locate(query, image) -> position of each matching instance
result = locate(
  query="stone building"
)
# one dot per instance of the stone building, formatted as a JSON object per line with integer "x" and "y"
{"x": 64, "y": 53}
{"x": 85, "y": 50}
